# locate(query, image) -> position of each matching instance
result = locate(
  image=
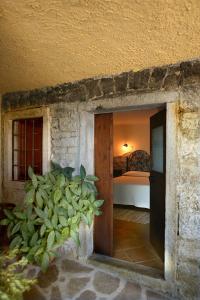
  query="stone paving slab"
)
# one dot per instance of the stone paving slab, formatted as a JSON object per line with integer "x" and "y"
{"x": 72, "y": 280}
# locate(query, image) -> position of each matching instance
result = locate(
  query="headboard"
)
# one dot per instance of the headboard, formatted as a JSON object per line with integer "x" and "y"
{"x": 138, "y": 160}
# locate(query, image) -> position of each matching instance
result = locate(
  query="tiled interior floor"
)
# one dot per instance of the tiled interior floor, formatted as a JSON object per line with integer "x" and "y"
{"x": 131, "y": 243}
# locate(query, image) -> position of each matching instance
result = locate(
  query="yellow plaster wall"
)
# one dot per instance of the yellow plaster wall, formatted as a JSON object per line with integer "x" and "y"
{"x": 45, "y": 42}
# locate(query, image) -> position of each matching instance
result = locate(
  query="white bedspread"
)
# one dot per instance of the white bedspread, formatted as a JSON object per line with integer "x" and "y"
{"x": 129, "y": 190}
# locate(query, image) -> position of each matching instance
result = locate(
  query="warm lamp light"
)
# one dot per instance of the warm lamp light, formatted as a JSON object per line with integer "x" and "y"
{"x": 127, "y": 148}
{"x": 125, "y": 145}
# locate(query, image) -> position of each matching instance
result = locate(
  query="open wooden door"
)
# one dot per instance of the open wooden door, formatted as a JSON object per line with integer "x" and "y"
{"x": 103, "y": 226}
{"x": 157, "y": 181}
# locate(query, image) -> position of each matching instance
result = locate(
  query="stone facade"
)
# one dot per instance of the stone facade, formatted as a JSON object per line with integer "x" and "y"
{"x": 174, "y": 84}
{"x": 171, "y": 77}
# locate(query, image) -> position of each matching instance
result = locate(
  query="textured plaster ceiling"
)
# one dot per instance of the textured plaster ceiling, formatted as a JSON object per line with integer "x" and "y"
{"x": 45, "y": 42}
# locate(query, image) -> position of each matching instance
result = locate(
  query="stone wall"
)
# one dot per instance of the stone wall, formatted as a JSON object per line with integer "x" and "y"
{"x": 179, "y": 84}
{"x": 188, "y": 193}
{"x": 64, "y": 134}
{"x": 171, "y": 77}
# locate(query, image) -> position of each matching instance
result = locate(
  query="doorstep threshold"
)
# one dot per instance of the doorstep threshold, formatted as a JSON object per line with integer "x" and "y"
{"x": 147, "y": 276}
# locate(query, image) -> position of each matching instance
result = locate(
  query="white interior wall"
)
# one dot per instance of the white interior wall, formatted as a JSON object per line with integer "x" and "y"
{"x": 132, "y": 128}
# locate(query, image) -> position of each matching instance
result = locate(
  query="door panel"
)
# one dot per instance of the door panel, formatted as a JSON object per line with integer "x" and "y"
{"x": 103, "y": 226}
{"x": 157, "y": 181}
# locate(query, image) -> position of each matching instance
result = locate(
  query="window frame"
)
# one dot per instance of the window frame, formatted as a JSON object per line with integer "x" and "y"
{"x": 9, "y": 117}
{"x": 18, "y": 150}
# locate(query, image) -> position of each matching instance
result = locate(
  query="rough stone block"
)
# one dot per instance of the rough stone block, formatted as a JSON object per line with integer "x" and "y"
{"x": 75, "y": 285}
{"x": 190, "y": 72}
{"x": 121, "y": 82}
{"x": 55, "y": 293}
{"x": 189, "y": 225}
{"x": 54, "y": 123}
{"x": 190, "y": 125}
{"x": 107, "y": 85}
{"x": 76, "y": 92}
{"x": 72, "y": 149}
{"x": 105, "y": 283}
{"x": 67, "y": 124}
{"x": 93, "y": 88}
{"x": 139, "y": 80}
{"x": 87, "y": 295}
{"x": 157, "y": 77}
{"x": 189, "y": 249}
{"x": 172, "y": 78}
{"x": 186, "y": 267}
{"x": 130, "y": 291}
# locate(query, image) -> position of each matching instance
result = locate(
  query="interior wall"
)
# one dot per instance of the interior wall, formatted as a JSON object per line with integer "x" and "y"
{"x": 132, "y": 128}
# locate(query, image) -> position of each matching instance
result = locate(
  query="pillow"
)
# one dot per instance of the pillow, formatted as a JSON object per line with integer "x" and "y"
{"x": 136, "y": 174}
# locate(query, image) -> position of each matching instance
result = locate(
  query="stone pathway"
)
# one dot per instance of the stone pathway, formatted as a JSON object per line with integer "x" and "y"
{"x": 68, "y": 279}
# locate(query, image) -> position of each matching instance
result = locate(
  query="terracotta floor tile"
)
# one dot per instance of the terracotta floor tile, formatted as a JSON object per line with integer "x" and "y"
{"x": 131, "y": 243}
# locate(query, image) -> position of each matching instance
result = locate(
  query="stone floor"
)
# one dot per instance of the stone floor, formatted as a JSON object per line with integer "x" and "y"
{"x": 68, "y": 279}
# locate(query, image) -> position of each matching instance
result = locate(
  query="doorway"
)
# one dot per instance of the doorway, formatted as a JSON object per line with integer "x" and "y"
{"x": 132, "y": 182}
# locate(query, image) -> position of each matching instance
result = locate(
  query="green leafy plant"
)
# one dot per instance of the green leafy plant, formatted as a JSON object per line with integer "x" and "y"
{"x": 12, "y": 280}
{"x": 55, "y": 204}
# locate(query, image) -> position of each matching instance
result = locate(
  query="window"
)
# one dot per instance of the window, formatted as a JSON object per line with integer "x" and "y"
{"x": 26, "y": 147}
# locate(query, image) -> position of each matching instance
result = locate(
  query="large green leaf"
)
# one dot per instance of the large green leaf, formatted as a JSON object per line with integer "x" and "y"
{"x": 75, "y": 204}
{"x": 50, "y": 239}
{"x": 91, "y": 178}
{"x": 54, "y": 220}
{"x": 20, "y": 215}
{"x": 48, "y": 223}
{"x": 30, "y": 172}
{"x": 4, "y": 222}
{"x": 30, "y": 227}
{"x": 30, "y": 196}
{"x": 40, "y": 213}
{"x": 77, "y": 179}
{"x": 16, "y": 242}
{"x": 65, "y": 233}
{"x": 68, "y": 193}
{"x": 42, "y": 230}
{"x": 98, "y": 213}
{"x": 24, "y": 231}
{"x": 82, "y": 172}
{"x": 63, "y": 203}
{"x": 34, "y": 181}
{"x": 43, "y": 193}
{"x": 10, "y": 226}
{"x": 39, "y": 199}
{"x": 60, "y": 182}
{"x": 98, "y": 203}
{"x": 70, "y": 211}
{"x": 34, "y": 239}
{"x": 9, "y": 214}
{"x": 52, "y": 178}
{"x": 62, "y": 220}
{"x": 57, "y": 195}
{"x": 16, "y": 228}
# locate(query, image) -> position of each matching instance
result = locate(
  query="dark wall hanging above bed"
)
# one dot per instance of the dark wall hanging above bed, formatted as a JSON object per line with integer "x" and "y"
{"x": 138, "y": 160}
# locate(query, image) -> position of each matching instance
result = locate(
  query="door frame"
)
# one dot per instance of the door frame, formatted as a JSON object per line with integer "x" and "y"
{"x": 171, "y": 219}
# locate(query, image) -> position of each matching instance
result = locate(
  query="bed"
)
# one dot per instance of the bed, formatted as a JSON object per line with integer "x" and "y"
{"x": 132, "y": 188}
